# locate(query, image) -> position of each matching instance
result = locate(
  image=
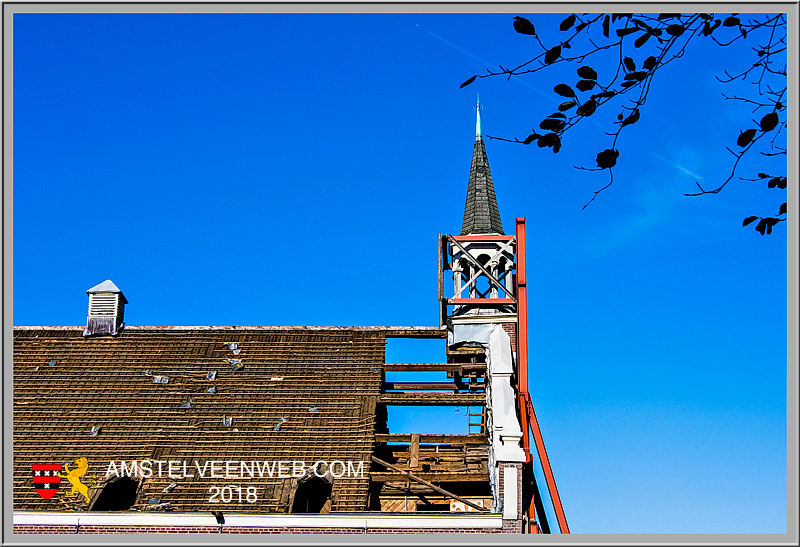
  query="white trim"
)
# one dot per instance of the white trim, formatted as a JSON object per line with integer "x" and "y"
{"x": 510, "y": 493}
{"x": 73, "y": 518}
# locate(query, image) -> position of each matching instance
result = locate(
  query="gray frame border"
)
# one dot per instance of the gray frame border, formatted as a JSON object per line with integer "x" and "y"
{"x": 793, "y": 281}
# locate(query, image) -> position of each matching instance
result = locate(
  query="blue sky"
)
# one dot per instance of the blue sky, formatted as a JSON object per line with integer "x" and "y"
{"x": 295, "y": 170}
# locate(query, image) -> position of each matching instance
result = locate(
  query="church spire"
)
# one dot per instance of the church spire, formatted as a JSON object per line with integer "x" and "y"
{"x": 481, "y": 215}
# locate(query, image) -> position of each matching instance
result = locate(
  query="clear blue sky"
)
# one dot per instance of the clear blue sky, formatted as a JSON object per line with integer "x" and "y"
{"x": 296, "y": 169}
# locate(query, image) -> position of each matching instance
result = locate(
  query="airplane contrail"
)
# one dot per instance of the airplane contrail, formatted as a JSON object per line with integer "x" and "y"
{"x": 486, "y": 63}
{"x": 676, "y": 166}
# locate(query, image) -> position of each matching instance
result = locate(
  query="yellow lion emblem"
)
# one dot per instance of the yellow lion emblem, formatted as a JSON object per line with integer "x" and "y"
{"x": 74, "y": 477}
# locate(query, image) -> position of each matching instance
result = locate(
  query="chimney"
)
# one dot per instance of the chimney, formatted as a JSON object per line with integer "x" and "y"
{"x": 106, "y": 309}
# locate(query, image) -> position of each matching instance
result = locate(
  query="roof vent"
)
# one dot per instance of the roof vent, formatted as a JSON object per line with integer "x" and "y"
{"x": 106, "y": 309}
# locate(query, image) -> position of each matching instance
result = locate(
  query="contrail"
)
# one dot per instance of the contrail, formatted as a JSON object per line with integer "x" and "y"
{"x": 487, "y": 64}
{"x": 676, "y": 165}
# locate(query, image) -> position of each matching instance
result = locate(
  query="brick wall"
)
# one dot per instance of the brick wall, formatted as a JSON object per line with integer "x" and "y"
{"x": 511, "y": 330}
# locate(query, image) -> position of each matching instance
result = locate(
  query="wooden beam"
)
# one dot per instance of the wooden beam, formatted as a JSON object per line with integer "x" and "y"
{"x": 415, "y": 332}
{"x": 421, "y": 386}
{"x": 431, "y": 367}
{"x": 432, "y": 438}
{"x": 433, "y": 398}
{"x": 413, "y": 477}
{"x": 402, "y": 478}
{"x": 413, "y": 458}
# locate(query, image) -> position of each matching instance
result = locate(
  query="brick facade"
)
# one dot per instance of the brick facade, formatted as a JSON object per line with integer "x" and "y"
{"x": 511, "y": 330}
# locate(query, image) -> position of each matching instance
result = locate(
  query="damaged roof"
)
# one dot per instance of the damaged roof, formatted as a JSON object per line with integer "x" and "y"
{"x": 101, "y": 401}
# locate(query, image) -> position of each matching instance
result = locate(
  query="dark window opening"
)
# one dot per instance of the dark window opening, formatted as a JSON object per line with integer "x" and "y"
{"x": 311, "y": 495}
{"x": 119, "y": 495}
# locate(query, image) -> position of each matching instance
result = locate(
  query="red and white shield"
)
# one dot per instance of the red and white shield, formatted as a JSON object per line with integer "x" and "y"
{"x": 46, "y": 479}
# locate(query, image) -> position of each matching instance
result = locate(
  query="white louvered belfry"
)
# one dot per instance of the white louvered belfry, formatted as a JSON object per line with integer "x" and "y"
{"x": 106, "y": 309}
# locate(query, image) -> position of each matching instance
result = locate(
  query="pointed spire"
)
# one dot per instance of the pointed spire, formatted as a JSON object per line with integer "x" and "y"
{"x": 481, "y": 215}
{"x": 478, "y": 121}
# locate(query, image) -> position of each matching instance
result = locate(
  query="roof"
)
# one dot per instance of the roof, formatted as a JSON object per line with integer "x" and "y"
{"x": 105, "y": 286}
{"x": 108, "y": 383}
{"x": 481, "y": 215}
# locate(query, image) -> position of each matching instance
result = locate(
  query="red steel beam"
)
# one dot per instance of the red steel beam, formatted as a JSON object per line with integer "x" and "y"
{"x": 485, "y": 301}
{"x": 546, "y": 469}
{"x": 483, "y": 238}
{"x": 522, "y": 309}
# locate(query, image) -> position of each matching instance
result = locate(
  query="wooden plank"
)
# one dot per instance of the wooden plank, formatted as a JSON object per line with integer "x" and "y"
{"x": 433, "y": 398}
{"x": 413, "y": 477}
{"x": 421, "y": 386}
{"x": 414, "y": 451}
{"x": 432, "y": 438}
{"x": 431, "y": 367}
{"x": 400, "y": 479}
{"x": 415, "y": 332}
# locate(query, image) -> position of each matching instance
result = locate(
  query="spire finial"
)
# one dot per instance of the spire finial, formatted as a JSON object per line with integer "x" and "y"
{"x": 478, "y": 120}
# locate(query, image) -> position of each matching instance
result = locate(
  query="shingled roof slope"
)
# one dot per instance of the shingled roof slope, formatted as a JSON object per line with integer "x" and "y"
{"x": 101, "y": 382}
{"x": 481, "y": 215}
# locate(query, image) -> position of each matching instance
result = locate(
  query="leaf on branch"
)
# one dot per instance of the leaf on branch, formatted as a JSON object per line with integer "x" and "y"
{"x": 748, "y": 220}
{"x": 587, "y": 73}
{"x": 782, "y": 210}
{"x": 552, "y": 124}
{"x": 587, "y": 108}
{"x": 607, "y": 158}
{"x": 627, "y": 83}
{"x": 625, "y": 31}
{"x": 567, "y": 23}
{"x": 552, "y": 54}
{"x": 639, "y": 75}
{"x": 567, "y": 105}
{"x": 763, "y": 176}
{"x": 777, "y": 182}
{"x": 523, "y": 26}
{"x": 770, "y": 222}
{"x": 585, "y": 85}
{"x": 633, "y": 118}
{"x": 663, "y": 16}
{"x": 581, "y": 26}
{"x": 650, "y": 63}
{"x": 605, "y": 26}
{"x": 465, "y": 84}
{"x": 731, "y": 22}
{"x": 530, "y": 138}
{"x": 564, "y": 90}
{"x": 706, "y": 16}
{"x": 640, "y": 41}
{"x": 629, "y": 64}
{"x": 550, "y": 139}
{"x": 557, "y": 115}
{"x": 769, "y": 122}
{"x": 745, "y": 137}
{"x": 675, "y": 30}
{"x": 761, "y": 227}
{"x": 604, "y": 94}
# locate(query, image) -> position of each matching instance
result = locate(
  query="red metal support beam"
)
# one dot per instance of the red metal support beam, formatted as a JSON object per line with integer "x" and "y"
{"x": 483, "y": 238}
{"x": 481, "y": 301}
{"x": 522, "y": 310}
{"x": 546, "y": 469}
{"x": 527, "y": 414}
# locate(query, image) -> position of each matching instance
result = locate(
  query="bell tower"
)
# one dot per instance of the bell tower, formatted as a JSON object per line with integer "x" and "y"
{"x": 488, "y": 309}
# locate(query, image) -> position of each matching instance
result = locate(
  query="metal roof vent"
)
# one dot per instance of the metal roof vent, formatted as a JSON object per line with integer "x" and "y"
{"x": 106, "y": 309}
